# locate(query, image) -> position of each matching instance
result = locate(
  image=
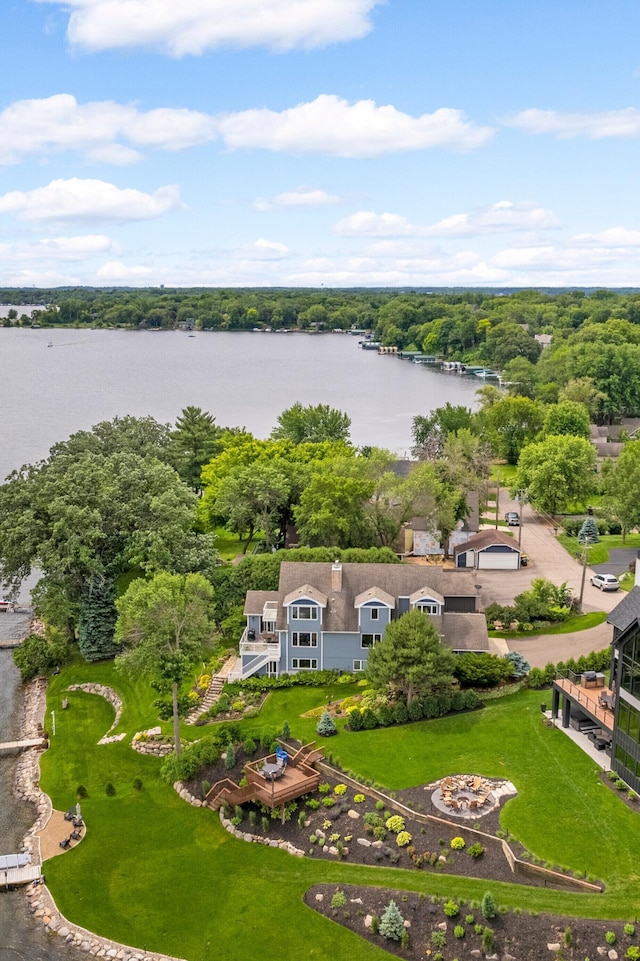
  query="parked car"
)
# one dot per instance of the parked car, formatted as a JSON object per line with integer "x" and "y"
{"x": 606, "y": 582}
{"x": 512, "y": 518}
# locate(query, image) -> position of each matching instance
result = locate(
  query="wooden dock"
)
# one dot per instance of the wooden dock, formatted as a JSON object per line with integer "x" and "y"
{"x": 10, "y": 645}
{"x": 17, "y": 869}
{"x": 14, "y": 747}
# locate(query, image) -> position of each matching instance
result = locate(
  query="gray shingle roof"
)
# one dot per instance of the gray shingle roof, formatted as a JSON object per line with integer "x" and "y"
{"x": 255, "y": 600}
{"x": 627, "y": 611}
{"x": 485, "y": 539}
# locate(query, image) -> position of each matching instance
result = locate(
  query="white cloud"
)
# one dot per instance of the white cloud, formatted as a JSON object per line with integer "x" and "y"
{"x": 115, "y": 272}
{"x": 61, "y": 123}
{"x": 300, "y": 197}
{"x": 618, "y": 237}
{"x": 595, "y": 126}
{"x": 366, "y": 223}
{"x": 331, "y": 125}
{"x": 502, "y": 216}
{"x": 193, "y": 26}
{"x": 261, "y": 250}
{"x": 89, "y": 200}
{"x": 58, "y": 249}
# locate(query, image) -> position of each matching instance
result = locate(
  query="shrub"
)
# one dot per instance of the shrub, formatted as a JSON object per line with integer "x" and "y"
{"x": 400, "y": 713}
{"x": 488, "y": 906}
{"x": 340, "y": 789}
{"x": 249, "y": 746}
{"x": 379, "y": 833}
{"x": 384, "y": 715}
{"x": 326, "y": 726}
{"x": 487, "y": 940}
{"x": 328, "y": 802}
{"x": 457, "y": 844}
{"x": 313, "y": 804}
{"x": 286, "y": 730}
{"x": 339, "y": 899}
{"x": 392, "y": 922}
{"x": 610, "y": 937}
{"x": 619, "y": 784}
{"x": 137, "y": 784}
{"x": 395, "y": 823}
{"x": 633, "y": 953}
{"x": 359, "y": 799}
{"x": 230, "y": 757}
{"x": 438, "y": 939}
{"x": 629, "y": 930}
{"x": 379, "y": 805}
{"x": 355, "y": 719}
{"x": 324, "y": 788}
{"x": 37, "y": 654}
{"x": 458, "y": 931}
{"x": 109, "y": 789}
{"x": 264, "y": 822}
{"x": 369, "y": 720}
{"x": 403, "y": 839}
{"x": 375, "y": 920}
{"x": 469, "y": 918}
{"x": 476, "y": 850}
{"x": 451, "y": 909}
{"x": 81, "y": 791}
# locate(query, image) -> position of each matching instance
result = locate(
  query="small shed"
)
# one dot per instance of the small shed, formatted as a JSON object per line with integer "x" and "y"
{"x": 487, "y": 551}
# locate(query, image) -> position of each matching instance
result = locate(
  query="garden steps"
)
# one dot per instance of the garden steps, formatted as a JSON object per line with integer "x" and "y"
{"x": 214, "y": 690}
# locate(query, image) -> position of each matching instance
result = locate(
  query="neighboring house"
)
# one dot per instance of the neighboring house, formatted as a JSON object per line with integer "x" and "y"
{"x": 608, "y": 439}
{"x": 610, "y": 715}
{"x": 418, "y": 540}
{"x": 543, "y": 339}
{"x": 487, "y": 551}
{"x": 328, "y": 616}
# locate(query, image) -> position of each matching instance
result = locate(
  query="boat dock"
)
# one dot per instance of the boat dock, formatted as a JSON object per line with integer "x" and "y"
{"x": 11, "y": 645}
{"x": 14, "y": 747}
{"x": 17, "y": 869}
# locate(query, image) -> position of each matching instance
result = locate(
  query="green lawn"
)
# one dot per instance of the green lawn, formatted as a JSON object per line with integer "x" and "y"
{"x": 158, "y": 874}
{"x": 599, "y": 553}
{"x": 228, "y": 545}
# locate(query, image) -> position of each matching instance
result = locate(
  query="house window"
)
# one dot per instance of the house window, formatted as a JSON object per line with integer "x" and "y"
{"x": 304, "y": 663}
{"x": 304, "y": 639}
{"x": 302, "y": 612}
{"x": 368, "y": 640}
{"x": 375, "y": 613}
{"x": 428, "y": 607}
{"x": 359, "y": 665}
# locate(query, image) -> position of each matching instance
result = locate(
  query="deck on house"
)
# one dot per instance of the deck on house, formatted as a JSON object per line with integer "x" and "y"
{"x": 590, "y": 700}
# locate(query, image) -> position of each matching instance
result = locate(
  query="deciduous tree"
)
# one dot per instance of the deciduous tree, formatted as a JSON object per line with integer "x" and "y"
{"x": 313, "y": 424}
{"x": 556, "y": 471}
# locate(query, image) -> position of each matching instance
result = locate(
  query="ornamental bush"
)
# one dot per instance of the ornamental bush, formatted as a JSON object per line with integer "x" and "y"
{"x": 458, "y": 931}
{"x": 476, "y": 850}
{"x": 340, "y": 789}
{"x": 326, "y": 726}
{"x": 457, "y": 844}
{"x": 451, "y": 909}
{"x": 403, "y": 839}
{"x": 392, "y": 922}
{"x": 395, "y": 823}
{"x": 339, "y": 899}
{"x": 488, "y": 906}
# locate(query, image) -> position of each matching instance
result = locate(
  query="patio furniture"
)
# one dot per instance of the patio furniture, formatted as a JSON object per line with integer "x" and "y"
{"x": 70, "y": 814}
{"x": 65, "y": 844}
{"x": 607, "y": 701}
{"x": 272, "y": 771}
{"x": 592, "y": 679}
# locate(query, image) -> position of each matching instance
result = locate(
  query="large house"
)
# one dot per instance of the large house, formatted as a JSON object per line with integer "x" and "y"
{"x": 610, "y": 715}
{"x": 330, "y": 615}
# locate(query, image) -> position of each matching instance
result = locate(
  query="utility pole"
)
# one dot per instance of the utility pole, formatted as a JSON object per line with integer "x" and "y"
{"x": 497, "y": 497}
{"x": 521, "y": 501}
{"x": 585, "y": 556}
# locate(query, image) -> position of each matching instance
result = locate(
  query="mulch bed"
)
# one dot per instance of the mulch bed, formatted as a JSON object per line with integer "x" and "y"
{"x": 518, "y": 936}
{"x": 522, "y": 936}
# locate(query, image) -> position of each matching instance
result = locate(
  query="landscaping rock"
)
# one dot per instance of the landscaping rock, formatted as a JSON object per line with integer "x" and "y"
{"x": 612, "y": 955}
{"x": 353, "y": 815}
{"x": 363, "y": 842}
{"x": 555, "y": 946}
{"x": 368, "y": 921}
{"x": 442, "y": 926}
{"x": 319, "y": 897}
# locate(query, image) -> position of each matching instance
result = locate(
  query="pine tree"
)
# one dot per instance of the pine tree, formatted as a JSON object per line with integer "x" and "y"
{"x": 230, "y": 758}
{"x": 488, "y": 906}
{"x": 588, "y": 532}
{"x": 392, "y": 922}
{"x": 97, "y": 620}
{"x": 326, "y": 726}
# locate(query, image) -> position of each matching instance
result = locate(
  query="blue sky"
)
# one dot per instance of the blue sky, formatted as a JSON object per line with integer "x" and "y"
{"x": 309, "y": 142}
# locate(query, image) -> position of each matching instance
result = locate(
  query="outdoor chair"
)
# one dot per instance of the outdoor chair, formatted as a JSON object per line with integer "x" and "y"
{"x": 70, "y": 814}
{"x": 78, "y": 823}
{"x": 75, "y": 835}
{"x": 65, "y": 844}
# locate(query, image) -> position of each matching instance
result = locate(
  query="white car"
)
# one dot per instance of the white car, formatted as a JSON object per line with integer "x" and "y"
{"x": 606, "y": 582}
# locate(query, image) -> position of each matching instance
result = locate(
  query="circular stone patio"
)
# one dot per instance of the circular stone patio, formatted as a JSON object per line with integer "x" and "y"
{"x": 469, "y": 796}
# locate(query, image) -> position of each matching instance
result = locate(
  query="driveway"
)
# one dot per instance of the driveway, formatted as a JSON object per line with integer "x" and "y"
{"x": 620, "y": 560}
{"x": 547, "y": 558}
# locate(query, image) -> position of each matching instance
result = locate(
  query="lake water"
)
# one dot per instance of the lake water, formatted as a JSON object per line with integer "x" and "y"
{"x": 48, "y": 392}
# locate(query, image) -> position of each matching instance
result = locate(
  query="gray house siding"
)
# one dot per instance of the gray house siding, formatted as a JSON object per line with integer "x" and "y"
{"x": 374, "y": 619}
{"x": 341, "y": 650}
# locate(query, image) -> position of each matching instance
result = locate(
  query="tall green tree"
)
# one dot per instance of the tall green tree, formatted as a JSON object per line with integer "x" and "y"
{"x": 510, "y": 424}
{"x": 333, "y": 511}
{"x": 253, "y": 498}
{"x": 411, "y": 658}
{"x": 163, "y": 625}
{"x": 312, "y": 424}
{"x": 194, "y": 441}
{"x": 556, "y": 471}
{"x": 567, "y": 417}
{"x": 621, "y": 479}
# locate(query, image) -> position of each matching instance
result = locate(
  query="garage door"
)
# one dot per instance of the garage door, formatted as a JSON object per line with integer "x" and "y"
{"x": 489, "y": 561}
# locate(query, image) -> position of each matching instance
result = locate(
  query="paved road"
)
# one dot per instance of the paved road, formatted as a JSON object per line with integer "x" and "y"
{"x": 548, "y": 559}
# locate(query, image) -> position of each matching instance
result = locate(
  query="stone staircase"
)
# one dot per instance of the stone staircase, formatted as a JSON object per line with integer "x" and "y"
{"x": 213, "y": 691}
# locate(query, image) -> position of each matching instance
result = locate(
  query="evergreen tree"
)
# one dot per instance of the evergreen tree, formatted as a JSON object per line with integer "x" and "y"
{"x": 488, "y": 906}
{"x": 392, "y": 922}
{"x": 97, "y": 619}
{"x": 588, "y": 533}
{"x": 326, "y": 726}
{"x": 230, "y": 757}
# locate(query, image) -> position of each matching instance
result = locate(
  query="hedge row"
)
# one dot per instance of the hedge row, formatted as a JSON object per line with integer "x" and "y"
{"x": 545, "y": 676}
{"x": 436, "y": 706}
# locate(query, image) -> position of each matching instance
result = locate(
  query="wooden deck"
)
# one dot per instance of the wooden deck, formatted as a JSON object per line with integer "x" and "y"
{"x": 589, "y": 699}
{"x": 300, "y": 777}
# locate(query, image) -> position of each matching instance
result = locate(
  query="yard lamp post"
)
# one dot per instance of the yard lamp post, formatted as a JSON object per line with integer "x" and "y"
{"x": 585, "y": 556}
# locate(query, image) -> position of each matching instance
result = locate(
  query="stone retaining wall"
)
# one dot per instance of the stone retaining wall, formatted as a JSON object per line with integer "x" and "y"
{"x": 109, "y": 695}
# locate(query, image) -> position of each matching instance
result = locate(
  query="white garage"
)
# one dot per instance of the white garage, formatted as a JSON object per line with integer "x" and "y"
{"x": 488, "y": 551}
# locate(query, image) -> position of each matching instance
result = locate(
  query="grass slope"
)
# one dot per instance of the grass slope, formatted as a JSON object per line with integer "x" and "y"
{"x": 158, "y": 874}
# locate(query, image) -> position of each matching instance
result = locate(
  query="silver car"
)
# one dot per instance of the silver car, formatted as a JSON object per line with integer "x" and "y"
{"x": 606, "y": 582}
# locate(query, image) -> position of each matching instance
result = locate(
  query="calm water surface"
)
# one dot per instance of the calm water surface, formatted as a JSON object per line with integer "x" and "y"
{"x": 48, "y": 392}
{"x": 55, "y": 382}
